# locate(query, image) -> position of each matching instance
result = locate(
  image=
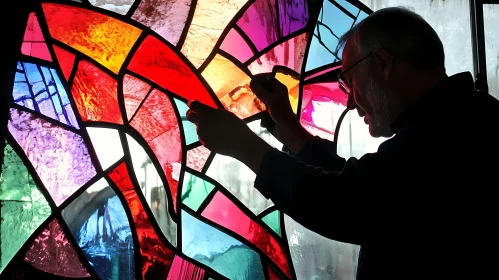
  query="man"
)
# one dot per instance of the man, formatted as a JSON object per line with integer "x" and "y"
{"x": 420, "y": 207}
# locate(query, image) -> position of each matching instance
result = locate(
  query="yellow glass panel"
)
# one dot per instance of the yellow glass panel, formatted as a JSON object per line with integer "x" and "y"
{"x": 222, "y": 75}
{"x": 209, "y": 21}
{"x": 293, "y": 89}
{"x": 103, "y": 38}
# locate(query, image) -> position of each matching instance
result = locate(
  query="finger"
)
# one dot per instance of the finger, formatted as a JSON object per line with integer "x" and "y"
{"x": 192, "y": 116}
{"x": 199, "y": 107}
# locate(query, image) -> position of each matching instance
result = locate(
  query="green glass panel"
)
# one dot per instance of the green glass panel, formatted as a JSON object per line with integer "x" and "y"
{"x": 272, "y": 219}
{"x": 190, "y": 133}
{"x": 195, "y": 190}
{"x": 23, "y": 206}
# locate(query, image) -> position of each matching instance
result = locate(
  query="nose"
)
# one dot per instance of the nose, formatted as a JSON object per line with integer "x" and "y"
{"x": 361, "y": 112}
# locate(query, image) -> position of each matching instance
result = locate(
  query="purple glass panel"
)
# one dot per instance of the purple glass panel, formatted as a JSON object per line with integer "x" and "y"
{"x": 293, "y": 15}
{"x": 259, "y": 22}
{"x": 59, "y": 156}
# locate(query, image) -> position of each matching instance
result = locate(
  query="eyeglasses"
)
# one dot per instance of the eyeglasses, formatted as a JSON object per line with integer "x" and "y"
{"x": 344, "y": 86}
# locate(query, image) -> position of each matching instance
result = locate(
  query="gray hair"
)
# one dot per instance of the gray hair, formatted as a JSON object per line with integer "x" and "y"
{"x": 402, "y": 32}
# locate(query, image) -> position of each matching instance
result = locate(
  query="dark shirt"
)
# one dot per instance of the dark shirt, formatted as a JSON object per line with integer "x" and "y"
{"x": 422, "y": 207}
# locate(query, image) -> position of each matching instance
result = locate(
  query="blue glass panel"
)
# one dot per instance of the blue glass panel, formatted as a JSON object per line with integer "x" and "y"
{"x": 349, "y": 7}
{"x": 318, "y": 55}
{"x": 218, "y": 250}
{"x": 40, "y": 88}
{"x": 100, "y": 226}
{"x": 190, "y": 133}
{"x": 337, "y": 20}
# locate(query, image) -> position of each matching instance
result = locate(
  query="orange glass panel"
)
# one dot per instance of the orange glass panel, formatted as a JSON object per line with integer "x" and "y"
{"x": 209, "y": 21}
{"x": 293, "y": 89}
{"x": 103, "y": 38}
{"x": 223, "y": 76}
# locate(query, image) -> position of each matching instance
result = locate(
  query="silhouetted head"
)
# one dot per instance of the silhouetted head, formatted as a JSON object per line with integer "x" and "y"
{"x": 389, "y": 60}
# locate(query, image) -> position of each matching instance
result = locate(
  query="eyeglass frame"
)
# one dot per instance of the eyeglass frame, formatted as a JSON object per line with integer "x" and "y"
{"x": 343, "y": 85}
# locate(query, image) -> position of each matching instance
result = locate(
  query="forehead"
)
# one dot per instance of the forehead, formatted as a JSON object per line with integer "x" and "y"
{"x": 348, "y": 55}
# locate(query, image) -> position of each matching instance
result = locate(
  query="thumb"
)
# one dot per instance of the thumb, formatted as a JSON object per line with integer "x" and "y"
{"x": 199, "y": 108}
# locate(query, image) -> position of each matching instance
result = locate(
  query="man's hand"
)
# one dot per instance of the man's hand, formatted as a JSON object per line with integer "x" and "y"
{"x": 223, "y": 132}
{"x": 287, "y": 128}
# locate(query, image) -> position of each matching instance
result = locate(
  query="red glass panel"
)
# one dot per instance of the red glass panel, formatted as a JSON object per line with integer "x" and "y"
{"x": 33, "y": 42}
{"x": 66, "y": 60}
{"x": 197, "y": 157}
{"x": 156, "y": 257}
{"x": 157, "y": 123}
{"x": 52, "y": 253}
{"x": 158, "y": 63}
{"x": 273, "y": 275}
{"x": 96, "y": 94}
{"x": 134, "y": 92}
{"x": 224, "y": 212}
{"x": 182, "y": 269}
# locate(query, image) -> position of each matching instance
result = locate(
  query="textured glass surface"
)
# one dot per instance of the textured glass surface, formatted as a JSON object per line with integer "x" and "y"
{"x": 219, "y": 251}
{"x": 236, "y": 46}
{"x": 197, "y": 157}
{"x": 59, "y": 156}
{"x": 491, "y": 23}
{"x": 190, "y": 132}
{"x": 156, "y": 257}
{"x": 317, "y": 257}
{"x": 273, "y": 220}
{"x": 238, "y": 178}
{"x": 157, "y": 123}
{"x": 292, "y": 83}
{"x": 134, "y": 92}
{"x": 322, "y": 105}
{"x": 117, "y": 6}
{"x": 204, "y": 32}
{"x": 289, "y": 53}
{"x": 40, "y": 89}
{"x": 107, "y": 145}
{"x": 86, "y": 30}
{"x": 165, "y": 17}
{"x": 182, "y": 269}
{"x": 66, "y": 60}
{"x": 51, "y": 252}
{"x": 23, "y": 206}
{"x": 157, "y": 62}
{"x": 96, "y": 94}
{"x": 293, "y": 15}
{"x": 100, "y": 226}
{"x": 195, "y": 190}
{"x": 224, "y": 212}
{"x": 33, "y": 42}
{"x": 152, "y": 189}
{"x": 260, "y": 23}
{"x": 273, "y": 275}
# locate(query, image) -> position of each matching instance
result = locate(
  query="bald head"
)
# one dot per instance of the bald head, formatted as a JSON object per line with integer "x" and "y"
{"x": 403, "y": 33}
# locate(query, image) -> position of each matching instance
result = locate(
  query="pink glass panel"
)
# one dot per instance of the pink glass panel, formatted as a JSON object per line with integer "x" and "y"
{"x": 156, "y": 257}
{"x": 51, "y": 252}
{"x": 236, "y": 46}
{"x": 290, "y": 54}
{"x": 157, "y": 123}
{"x": 60, "y": 157}
{"x": 322, "y": 72}
{"x": 182, "y": 269}
{"x": 322, "y": 105}
{"x": 134, "y": 91}
{"x": 33, "y": 42}
{"x": 197, "y": 157}
{"x": 293, "y": 15}
{"x": 224, "y": 212}
{"x": 259, "y": 22}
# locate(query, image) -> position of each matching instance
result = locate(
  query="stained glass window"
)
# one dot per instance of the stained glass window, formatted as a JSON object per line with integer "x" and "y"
{"x": 104, "y": 178}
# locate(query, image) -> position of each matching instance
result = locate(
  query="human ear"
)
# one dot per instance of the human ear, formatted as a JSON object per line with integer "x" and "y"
{"x": 384, "y": 62}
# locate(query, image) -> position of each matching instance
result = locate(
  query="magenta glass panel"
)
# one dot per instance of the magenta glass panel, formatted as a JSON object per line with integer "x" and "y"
{"x": 60, "y": 157}
{"x": 224, "y": 212}
{"x": 289, "y": 53}
{"x": 182, "y": 269}
{"x": 197, "y": 157}
{"x": 322, "y": 72}
{"x": 236, "y": 46}
{"x": 259, "y": 22}
{"x": 51, "y": 252}
{"x": 322, "y": 105}
{"x": 134, "y": 91}
{"x": 293, "y": 15}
